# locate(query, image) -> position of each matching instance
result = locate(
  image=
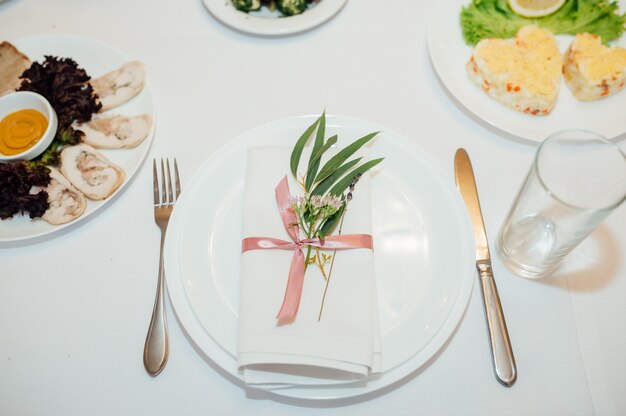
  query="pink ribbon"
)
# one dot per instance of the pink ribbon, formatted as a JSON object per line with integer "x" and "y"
{"x": 293, "y": 291}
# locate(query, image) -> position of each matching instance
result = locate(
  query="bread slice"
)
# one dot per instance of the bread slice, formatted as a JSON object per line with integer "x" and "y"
{"x": 523, "y": 73}
{"x": 592, "y": 70}
{"x": 13, "y": 63}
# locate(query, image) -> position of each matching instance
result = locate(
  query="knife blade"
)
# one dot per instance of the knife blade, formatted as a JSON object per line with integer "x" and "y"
{"x": 501, "y": 350}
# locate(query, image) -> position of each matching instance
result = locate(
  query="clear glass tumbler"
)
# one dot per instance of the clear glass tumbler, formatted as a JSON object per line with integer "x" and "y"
{"x": 577, "y": 178}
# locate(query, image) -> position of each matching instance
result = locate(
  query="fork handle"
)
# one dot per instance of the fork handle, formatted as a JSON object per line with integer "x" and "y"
{"x": 156, "y": 348}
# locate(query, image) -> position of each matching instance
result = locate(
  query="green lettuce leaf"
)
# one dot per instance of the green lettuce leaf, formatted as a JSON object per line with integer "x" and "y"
{"x": 483, "y": 19}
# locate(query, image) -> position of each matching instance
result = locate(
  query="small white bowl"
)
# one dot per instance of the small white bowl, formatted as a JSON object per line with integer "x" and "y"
{"x": 29, "y": 100}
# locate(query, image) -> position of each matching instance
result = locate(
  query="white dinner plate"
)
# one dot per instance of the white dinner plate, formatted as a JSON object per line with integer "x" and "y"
{"x": 449, "y": 54}
{"x": 424, "y": 251}
{"x": 97, "y": 59}
{"x": 273, "y": 23}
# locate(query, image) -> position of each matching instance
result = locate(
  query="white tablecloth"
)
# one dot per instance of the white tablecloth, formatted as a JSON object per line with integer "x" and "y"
{"x": 74, "y": 309}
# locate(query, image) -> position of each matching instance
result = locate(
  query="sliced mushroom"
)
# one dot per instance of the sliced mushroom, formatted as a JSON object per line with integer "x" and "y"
{"x": 114, "y": 132}
{"x": 90, "y": 172}
{"x": 118, "y": 86}
{"x": 66, "y": 202}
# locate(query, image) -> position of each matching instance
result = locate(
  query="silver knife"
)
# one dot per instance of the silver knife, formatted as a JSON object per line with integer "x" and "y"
{"x": 501, "y": 351}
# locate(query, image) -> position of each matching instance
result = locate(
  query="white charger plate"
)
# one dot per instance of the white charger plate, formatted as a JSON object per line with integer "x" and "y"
{"x": 96, "y": 58}
{"x": 273, "y": 24}
{"x": 424, "y": 251}
{"x": 449, "y": 54}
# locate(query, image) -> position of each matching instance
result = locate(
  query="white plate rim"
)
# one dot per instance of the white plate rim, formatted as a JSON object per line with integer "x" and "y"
{"x": 444, "y": 32}
{"x": 224, "y": 11}
{"x": 224, "y": 359}
{"x": 142, "y": 149}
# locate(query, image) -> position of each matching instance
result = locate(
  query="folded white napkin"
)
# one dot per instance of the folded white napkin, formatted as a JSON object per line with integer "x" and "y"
{"x": 345, "y": 344}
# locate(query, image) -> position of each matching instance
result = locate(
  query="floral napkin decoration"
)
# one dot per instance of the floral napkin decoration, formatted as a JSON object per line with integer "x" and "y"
{"x": 311, "y": 219}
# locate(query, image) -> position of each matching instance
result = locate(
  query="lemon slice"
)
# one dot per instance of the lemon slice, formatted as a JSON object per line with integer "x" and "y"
{"x": 535, "y": 8}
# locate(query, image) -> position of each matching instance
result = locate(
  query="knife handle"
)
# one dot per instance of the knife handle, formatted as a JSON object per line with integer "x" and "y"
{"x": 501, "y": 351}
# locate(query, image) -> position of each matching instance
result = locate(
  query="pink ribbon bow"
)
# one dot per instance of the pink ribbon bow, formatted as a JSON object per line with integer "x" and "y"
{"x": 293, "y": 291}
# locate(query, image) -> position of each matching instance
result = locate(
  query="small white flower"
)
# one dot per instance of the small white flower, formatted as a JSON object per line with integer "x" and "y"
{"x": 330, "y": 205}
{"x": 331, "y": 201}
{"x": 316, "y": 201}
{"x": 296, "y": 202}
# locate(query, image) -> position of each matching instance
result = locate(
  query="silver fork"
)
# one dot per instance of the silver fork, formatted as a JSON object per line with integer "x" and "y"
{"x": 156, "y": 349}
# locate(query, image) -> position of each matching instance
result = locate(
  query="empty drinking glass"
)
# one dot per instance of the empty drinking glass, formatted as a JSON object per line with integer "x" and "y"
{"x": 577, "y": 178}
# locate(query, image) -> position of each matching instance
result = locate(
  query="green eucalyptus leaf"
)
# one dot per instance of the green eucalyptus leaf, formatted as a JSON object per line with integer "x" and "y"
{"x": 330, "y": 180}
{"x": 345, "y": 182}
{"x": 324, "y": 148}
{"x": 331, "y": 222}
{"x": 343, "y": 155}
{"x": 297, "y": 149}
{"x": 317, "y": 145}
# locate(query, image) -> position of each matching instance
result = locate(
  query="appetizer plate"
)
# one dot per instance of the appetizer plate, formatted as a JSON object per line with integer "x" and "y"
{"x": 273, "y": 24}
{"x": 97, "y": 59}
{"x": 449, "y": 54}
{"x": 424, "y": 252}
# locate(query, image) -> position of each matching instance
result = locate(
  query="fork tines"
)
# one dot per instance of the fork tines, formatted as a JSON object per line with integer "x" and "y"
{"x": 166, "y": 196}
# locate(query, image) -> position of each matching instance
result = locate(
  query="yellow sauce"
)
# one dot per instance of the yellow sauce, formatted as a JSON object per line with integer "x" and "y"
{"x": 21, "y": 130}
